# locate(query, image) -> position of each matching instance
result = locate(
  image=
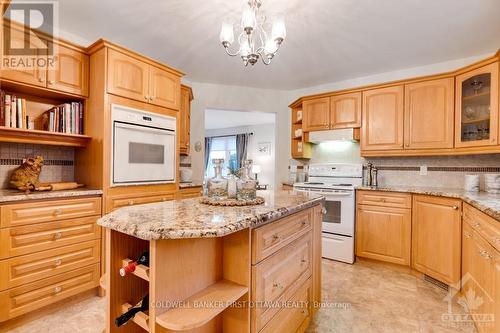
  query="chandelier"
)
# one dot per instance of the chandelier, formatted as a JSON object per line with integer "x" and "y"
{"x": 254, "y": 42}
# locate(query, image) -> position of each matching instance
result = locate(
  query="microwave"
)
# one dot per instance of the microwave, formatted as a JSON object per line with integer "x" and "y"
{"x": 143, "y": 147}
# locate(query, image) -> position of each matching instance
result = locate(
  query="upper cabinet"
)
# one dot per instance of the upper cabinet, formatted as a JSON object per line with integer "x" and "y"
{"x": 132, "y": 78}
{"x": 477, "y": 107}
{"x": 316, "y": 114}
{"x": 345, "y": 111}
{"x": 429, "y": 114}
{"x": 382, "y": 120}
{"x": 71, "y": 72}
{"x": 185, "y": 119}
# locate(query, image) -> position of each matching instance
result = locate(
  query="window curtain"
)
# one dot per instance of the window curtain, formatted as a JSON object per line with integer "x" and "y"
{"x": 241, "y": 148}
{"x": 208, "y": 147}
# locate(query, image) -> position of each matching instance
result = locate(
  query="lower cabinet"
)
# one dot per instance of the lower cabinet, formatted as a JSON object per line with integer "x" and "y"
{"x": 384, "y": 234}
{"x": 436, "y": 237}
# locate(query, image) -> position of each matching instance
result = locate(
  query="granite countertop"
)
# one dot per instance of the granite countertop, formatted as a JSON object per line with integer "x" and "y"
{"x": 7, "y": 195}
{"x": 190, "y": 184}
{"x": 488, "y": 203}
{"x": 189, "y": 218}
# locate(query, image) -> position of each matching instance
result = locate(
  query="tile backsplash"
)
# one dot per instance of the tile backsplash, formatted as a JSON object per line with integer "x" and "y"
{"x": 58, "y": 161}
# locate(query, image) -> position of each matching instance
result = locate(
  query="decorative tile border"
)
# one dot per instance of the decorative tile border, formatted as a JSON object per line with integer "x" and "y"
{"x": 185, "y": 165}
{"x": 440, "y": 169}
{"x": 19, "y": 161}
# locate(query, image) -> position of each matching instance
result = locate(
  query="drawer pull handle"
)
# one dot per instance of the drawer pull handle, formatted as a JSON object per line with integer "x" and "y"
{"x": 304, "y": 312}
{"x": 303, "y": 223}
{"x": 146, "y": 97}
{"x": 57, "y": 235}
{"x": 58, "y": 262}
{"x": 57, "y": 290}
{"x": 277, "y": 285}
{"x": 52, "y": 81}
{"x": 467, "y": 235}
{"x": 323, "y": 211}
{"x": 303, "y": 261}
{"x": 485, "y": 255}
{"x": 455, "y": 207}
{"x": 58, "y": 212}
{"x": 131, "y": 202}
{"x": 383, "y": 199}
{"x": 476, "y": 224}
{"x": 40, "y": 79}
{"x": 276, "y": 237}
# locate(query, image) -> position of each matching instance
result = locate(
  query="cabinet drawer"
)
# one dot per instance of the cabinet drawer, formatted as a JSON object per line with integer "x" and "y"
{"x": 277, "y": 276}
{"x": 123, "y": 201}
{"x": 17, "y": 271}
{"x": 486, "y": 226}
{"x": 30, "y": 239}
{"x": 385, "y": 199}
{"x": 292, "y": 318}
{"x": 20, "y": 300}
{"x": 270, "y": 238}
{"x": 46, "y": 211}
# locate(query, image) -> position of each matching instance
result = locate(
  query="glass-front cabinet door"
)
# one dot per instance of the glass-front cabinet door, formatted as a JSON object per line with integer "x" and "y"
{"x": 477, "y": 107}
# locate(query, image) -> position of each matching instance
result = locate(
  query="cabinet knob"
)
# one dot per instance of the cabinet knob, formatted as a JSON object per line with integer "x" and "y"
{"x": 455, "y": 207}
{"x": 131, "y": 202}
{"x": 58, "y": 262}
{"x": 57, "y": 235}
{"x": 276, "y": 237}
{"x": 151, "y": 98}
{"x": 52, "y": 81}
{"x": 146, "y": 97}
{"x": 323, "y": 211}
{"x": 485, "y": 255}
{"x": 58, "y": 212}
{"x": 467, "y": 235}
{"x": 407, "y": 145}
{"x": 303, "y": 261}
{"x": 40, "y": 79}
{"x": 57, "y": 289}
{"x": 304, "y": 312}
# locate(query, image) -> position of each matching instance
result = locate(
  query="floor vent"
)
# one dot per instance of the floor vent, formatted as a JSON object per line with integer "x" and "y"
{"x": 435, "y": 282}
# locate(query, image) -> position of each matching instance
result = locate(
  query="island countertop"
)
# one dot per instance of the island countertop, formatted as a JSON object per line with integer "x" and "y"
{"x": 189, "y": 218}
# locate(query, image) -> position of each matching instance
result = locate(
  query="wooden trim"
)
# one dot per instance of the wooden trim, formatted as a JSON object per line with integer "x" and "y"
{"x": 20, "y": 135}
{"x": 101, "y": 43}
{"x": 432, "y": 152}
{"x": 188, "y": 88}
{"x": 5, "y": 4}
{"x": 443, "y": 75}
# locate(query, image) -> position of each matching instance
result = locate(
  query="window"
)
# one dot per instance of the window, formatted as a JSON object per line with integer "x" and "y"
{"x": 222, "y": 147}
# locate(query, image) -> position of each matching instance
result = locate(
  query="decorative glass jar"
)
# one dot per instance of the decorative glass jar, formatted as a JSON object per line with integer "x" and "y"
{"x": 217, "y": 186}
{"x": 246, "y": 186}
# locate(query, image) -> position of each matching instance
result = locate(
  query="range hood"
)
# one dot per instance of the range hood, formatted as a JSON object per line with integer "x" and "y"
{"x": 345, "y": 134}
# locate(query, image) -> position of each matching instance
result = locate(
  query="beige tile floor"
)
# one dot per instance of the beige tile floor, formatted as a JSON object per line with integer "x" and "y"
{"x": 365, "y": 297}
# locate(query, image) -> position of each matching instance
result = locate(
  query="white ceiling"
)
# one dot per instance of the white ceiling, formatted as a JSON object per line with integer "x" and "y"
{"x": 327, "y": 40}
{"x": 217, "y": 119}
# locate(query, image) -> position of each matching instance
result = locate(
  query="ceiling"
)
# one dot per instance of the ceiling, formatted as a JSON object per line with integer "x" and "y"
{"x": 327, "y": 40}
{"x": 217, "y": 119}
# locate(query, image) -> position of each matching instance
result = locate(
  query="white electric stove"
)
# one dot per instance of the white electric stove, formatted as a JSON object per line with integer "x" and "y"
{"x": 336, "y": 182}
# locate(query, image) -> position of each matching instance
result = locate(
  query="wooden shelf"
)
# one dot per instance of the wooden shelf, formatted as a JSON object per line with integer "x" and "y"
{"x": 298, "y": 122}
{"x": 140, "y": 318}
{"x": 217, "y": 298}
{"x": 475, "y": 121}
{"x": 20, "y": 135}
{"x": 140, "y": 271}
{"x": 481, "y": 95}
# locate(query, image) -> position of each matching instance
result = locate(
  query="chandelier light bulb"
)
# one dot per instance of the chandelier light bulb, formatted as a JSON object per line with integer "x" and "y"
{"x": 270, "y": 48}
{"x": 279, "y": 30}
{"x": 245, "y": 49}
{"x": 248, "y": 20}
{"x": 226, "y": 34}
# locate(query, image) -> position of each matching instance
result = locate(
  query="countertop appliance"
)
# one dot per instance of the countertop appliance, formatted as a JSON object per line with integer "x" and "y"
{"x": 336, "y": 182}
{"x": 143, "y": 147}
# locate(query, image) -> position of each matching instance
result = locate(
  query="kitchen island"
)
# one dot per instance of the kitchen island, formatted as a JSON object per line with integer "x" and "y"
{"x": 217, "y": 269}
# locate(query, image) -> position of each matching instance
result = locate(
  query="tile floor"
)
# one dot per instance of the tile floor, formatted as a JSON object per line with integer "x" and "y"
{"x": 365, "y": 297}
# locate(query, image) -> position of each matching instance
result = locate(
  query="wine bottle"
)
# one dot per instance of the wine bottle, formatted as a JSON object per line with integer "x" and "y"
{"x": 143, "y": 306}
{"x": 143, "y": 260}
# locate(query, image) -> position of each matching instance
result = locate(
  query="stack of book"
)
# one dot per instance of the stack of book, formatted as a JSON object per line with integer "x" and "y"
{"x": 13, "y": 112}
{"x": 65, "y": 118}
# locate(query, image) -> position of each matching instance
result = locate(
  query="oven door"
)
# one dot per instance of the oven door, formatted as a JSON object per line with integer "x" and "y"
{"x": 142, "y": 155}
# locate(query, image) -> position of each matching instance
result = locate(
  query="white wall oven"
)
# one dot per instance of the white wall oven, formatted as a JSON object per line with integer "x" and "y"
{"x": 143, "y": 147}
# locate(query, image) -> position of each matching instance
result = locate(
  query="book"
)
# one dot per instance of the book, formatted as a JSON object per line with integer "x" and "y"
{"x": 13, "y": 112}
{"x": 7, "y": 110}
{"x": 24, "y": 121}
{"x": 80, "y": 109}
{"x": 19, "y": 114}
{"x": 2, "y": 107}
{"x": 67, "y": 118}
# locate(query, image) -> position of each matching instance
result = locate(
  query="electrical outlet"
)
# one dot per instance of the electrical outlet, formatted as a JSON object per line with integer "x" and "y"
{"x": 423, "y": 170}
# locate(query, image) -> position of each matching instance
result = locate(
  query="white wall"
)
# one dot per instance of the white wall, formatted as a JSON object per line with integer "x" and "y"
{"x": 261, "y": 133}
{"x": 214, "y": 96}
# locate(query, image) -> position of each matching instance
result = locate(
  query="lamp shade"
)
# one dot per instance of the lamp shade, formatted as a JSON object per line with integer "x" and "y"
{"x": 226, "y": 33}
{"x": 256, "y": 168}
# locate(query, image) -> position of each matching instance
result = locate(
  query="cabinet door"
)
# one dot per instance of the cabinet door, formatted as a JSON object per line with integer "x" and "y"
{"x": 127, "y": 77}
{"x": 164, "y": 88}
{"x": 71, "y": 72}
{"x": 25, "y": 74}
{"x": 476, "y": 118}
{"x": 429, "y": 114}
{"x": 384, "y": 233}
{"x": 382, "y": 120}
{"x": 316, "y": 114}
{"x": 185, "y": 120}
{"x": 345, "y": 111}
{"x": 436, "y": 237}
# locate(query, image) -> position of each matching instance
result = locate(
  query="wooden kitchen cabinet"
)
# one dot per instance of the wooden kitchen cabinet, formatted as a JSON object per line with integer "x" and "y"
{"x": 71, "y": 72}
{"x": 382, "y": 120}
{"x": 185, "y": 119}
{"x": 429, "y": 114}
{"x": 384, "y": 233}
{"x": 436, "y": 237}
{"x": 132, "y": 78}
{"x": 476, "y": 116}
{"x": 345, "y": 111}
{"x": 316, "y": 114}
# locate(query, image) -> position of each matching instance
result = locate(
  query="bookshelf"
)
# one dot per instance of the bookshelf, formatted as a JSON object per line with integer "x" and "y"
{"x": 38, "y": 101}
{"x": 301, "y": 149}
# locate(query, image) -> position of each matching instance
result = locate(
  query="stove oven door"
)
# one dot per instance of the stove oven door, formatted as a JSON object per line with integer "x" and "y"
{"x": 339, "y": 213}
